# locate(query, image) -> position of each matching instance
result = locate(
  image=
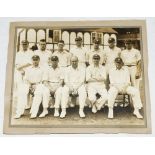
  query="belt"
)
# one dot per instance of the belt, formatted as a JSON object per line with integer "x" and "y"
{"x": 130, "y": 65}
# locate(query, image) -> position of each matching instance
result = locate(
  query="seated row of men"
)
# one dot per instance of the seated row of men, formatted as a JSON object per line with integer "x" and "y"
{"x": 74, "y": 80}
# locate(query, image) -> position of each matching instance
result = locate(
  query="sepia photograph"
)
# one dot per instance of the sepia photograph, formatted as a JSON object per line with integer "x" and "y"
{"x": 77, "y": 77}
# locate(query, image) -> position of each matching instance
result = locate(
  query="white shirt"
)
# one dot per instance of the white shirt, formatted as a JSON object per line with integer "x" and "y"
{"x": 121, "y": 76}
{"x": 33, "y": 74}
{"x": 101, "y": 53}
{"x": 53, "y": 75}
{"x": 95, "y": 72}
{"x": 131, "y": 57}
{"x": 80, "y": 53}
{"x": 44, "y": 57}
{"x": 75, "y": 76}
{"x": 23, "y": 58}
{"x": 111, "y": 55}
{"x": 64, "y": 58}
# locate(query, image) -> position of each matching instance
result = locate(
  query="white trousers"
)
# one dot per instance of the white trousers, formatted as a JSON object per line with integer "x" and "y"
{"x": 60, "y": 94}
{"x": 61, "y": 97}
{"x": 134, "y": 92}
{"x": 40, "y": 95}
{"x": 134, "y": 82}
{"x": 18, "y": 83}
{"x": 22, "y": 98}
{"x": 93, "y": 89}
{"x": 82, "y": 95}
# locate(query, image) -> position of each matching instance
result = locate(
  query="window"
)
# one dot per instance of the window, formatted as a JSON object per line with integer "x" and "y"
{"x": 56, "y": 36}
{"x": 96, "y": 35}
{"x": 31, "y": 35}
{"x": 40, "y": 35}
{"x": 99, "y": 37}
{"x": 93, "y": 36}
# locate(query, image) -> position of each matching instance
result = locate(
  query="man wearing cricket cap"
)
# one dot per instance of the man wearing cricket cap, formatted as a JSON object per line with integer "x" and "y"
{"x": 79, "y": 51}
{"x": 53, "y": 80}
{"x": 111, "y": 53}
{"x": 132, "y": 59}
{"x": 32, "y": 85}
{"x": 43, "y": 53}
{"x": 96, "y": 50}
{"x": 96, "y": 76}
{"x": 63, "y": 55}
{"x": 22, "y": 62}
{"x": 120, "y": 83}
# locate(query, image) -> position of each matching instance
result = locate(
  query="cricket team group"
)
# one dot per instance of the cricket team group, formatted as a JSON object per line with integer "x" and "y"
{"x": 95, "y": 75}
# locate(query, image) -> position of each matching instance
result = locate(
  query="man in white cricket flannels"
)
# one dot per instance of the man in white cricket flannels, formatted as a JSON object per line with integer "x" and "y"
{"x": 132, "y": 59}
{"x": 79, "y": 51}
{"x": 63, "y": 55}
{"x": 96, "y": 77}
{"x": 75, "y": 81}
{"x": 96, "y": 50}
{"x": 22, "y": 61}
{"x": 120, "y": 83}
{"x": 43, "y": 53}
{"x": 53, "y": 80}
{"x": 31, "y": 85}
{"x": 111, "y": 53}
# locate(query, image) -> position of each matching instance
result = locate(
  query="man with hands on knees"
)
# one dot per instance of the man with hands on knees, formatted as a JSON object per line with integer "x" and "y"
{"x": 54, "y": 86}
{"x": 75, "y": 81}
{"x": 120, "y": 83}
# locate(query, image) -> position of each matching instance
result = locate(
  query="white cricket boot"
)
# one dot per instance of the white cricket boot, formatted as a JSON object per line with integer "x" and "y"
{"x": 44, "y": 113}
{"x": 111, "y": 113}
{"x": 56, "y": 112}
{"x": 94, "y": 110}
{"x": 137, "y": 114}
{"x": 81, "y": 113}
{"x": 63, "y": 113}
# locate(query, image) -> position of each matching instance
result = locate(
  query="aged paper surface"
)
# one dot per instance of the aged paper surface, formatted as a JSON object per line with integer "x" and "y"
{"x": 52, "y": 32}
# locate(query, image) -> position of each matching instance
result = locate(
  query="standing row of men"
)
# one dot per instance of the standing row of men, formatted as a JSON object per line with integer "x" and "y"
{"x": 51, "y": 74}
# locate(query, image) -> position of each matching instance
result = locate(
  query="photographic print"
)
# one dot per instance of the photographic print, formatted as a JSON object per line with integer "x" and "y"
{"x": 77, "y": 77}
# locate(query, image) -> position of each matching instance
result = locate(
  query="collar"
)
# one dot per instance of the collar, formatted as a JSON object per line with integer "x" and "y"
{"x": 98, "y": 50}
{"x": 77, "y": 69}
{"x": 96, "y": 66}
{"x": 62, "y": 52}
{"x": 54, "y": 68}
{"x": 119, "y": 69}
{"x": 112, "y": 49}
{"x": 130, "y": 49}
